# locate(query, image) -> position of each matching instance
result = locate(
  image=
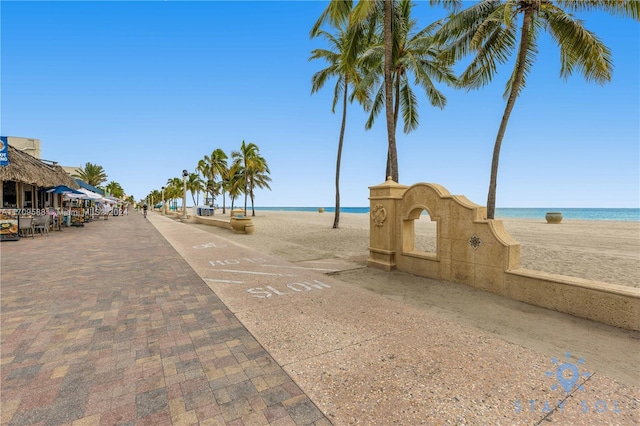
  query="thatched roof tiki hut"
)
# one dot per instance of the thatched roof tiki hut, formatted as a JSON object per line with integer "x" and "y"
{"x": 23, "y": 177}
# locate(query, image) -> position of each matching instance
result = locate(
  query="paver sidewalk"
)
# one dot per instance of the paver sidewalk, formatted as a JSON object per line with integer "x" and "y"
{"x": 108, "y": 325}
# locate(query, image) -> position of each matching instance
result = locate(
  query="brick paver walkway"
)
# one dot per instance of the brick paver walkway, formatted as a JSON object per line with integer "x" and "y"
{"x": 108, "y": 325}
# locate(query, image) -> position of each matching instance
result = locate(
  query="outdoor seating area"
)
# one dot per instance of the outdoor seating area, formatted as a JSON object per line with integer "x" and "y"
{"x": 72, "y": 208}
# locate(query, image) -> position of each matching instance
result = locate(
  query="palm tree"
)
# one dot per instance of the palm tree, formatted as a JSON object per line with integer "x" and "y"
{"x": 173, "y": 190}
{"x": 253, "y": 170}
{"x": 114, "y": 189}
{"x": 490, "y": 29}
{"x": 346, "y": 71}
{"x": 211, "y": 167}
{"x": 92, "y": 174}
{"x": 415, "y": 54}
{"x": 361, "y": 19}
{"x": 154, "y": 196}
{"x": 258, "y": 178}
{"x": 204, "y": 168}
{"x": 194, "y": 184}
{"x": 233, "y": 182}
{"x": 218, "y": 168}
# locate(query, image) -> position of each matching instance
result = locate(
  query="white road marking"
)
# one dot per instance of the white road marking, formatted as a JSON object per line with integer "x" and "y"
{"x": 224, "y": 281}
{"x": 299, "y": 267}
{"x": 255, "y": 273}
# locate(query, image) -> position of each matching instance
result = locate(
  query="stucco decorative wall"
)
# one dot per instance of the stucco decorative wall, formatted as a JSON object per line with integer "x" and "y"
{"x": 480, "y": 253}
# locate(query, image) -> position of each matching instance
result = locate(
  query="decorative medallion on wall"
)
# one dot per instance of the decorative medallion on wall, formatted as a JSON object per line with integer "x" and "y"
{"x": 378, "y": 214}
{"x": 475, "y": 241}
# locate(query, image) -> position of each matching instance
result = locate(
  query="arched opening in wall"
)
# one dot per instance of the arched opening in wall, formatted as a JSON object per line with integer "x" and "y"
{"x": 420, "y": 233}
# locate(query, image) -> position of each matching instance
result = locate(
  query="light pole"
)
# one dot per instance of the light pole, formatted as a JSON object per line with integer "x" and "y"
{"x": 163, "y": 207}
{"x": 184, "y": 193}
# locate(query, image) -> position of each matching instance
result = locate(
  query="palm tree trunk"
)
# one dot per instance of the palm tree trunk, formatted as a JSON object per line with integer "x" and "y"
{"x": 253, "y": 210}
{"x": 336, "y": 218}
{"x": 388, "y": 86}
{"x": 223, "y": 203}
{"x": 515, "y": 89}
{"x": 246, "y": 192}
{"x": 396, "y": 113}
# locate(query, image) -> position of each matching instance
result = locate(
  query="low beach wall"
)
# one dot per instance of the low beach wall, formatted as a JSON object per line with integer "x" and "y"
{"x": 210, "y": 220}
{"x": 480, "y": 253}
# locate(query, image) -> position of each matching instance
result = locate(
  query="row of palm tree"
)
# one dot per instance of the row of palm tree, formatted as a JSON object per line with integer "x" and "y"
{"x": 214, "y": 176}
{"x": 375, "y": 49}
{"x": 95, "y": 175}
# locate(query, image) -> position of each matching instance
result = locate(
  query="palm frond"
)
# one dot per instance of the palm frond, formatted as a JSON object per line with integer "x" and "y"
{"x": 497, "y": 49}
{"x": 580, "y": 49}
{"x": 448, "y": 4}
{"x": 456, "y": 35}
{"x": 376, "y": 106}
{"x": 409, "y": 106}
{"x": 336, "y": 13}
{"x": 622, "y": 8}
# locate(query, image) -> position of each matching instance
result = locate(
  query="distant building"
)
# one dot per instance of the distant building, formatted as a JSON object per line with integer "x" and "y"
{"x": 26, "y": 145}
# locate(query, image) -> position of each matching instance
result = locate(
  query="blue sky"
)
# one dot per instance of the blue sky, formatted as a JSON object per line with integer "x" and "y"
{"x": 146, "y": 89}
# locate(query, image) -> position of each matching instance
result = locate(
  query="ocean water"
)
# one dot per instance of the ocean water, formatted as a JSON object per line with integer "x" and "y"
{"x": 624, "y": 215}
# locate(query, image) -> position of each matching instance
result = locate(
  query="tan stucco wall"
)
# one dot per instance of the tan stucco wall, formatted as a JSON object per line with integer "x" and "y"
{"x": 28, "y": 145}
{"x": 480, "y": 253}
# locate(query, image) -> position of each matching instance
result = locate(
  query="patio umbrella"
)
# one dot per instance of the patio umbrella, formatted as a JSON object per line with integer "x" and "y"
{"x": 90, "y": 194}
{"x": 62, "y": 189}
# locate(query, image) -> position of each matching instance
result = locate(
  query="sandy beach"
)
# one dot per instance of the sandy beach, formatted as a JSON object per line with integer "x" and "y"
{"x": 596, "y": 250}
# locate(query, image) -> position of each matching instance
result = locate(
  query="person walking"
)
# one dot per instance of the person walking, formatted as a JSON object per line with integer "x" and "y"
{"x": 144, "y": 209}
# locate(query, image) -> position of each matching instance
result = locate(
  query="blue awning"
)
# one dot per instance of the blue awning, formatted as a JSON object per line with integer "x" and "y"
{"x": 62, "y": 189}
{"x": 85, "y": 185}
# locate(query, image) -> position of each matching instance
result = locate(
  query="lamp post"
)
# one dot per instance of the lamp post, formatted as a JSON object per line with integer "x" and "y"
{"x": 164, "y": 210}
{"x": 184, "y": 193}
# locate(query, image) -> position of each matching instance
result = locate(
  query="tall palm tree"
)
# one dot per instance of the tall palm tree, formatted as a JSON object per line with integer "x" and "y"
{"x": 205, "y": 169}
{"x": 233, "y": 182}
{"x": 92, "y": 174}
{"x": 346, "y": 70}
{"x": 493, "y": 30}
{"x": 174, "y": 190}
{"x": 259, "y": 178}
{"x": 218, "y": 161}
{"x": 253, "y": 169}
{"x": 414, "y": 54}
{"x": 363, "y": 16}
{"x": 211, "y": 167}
{"x": 194, "y": 185}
